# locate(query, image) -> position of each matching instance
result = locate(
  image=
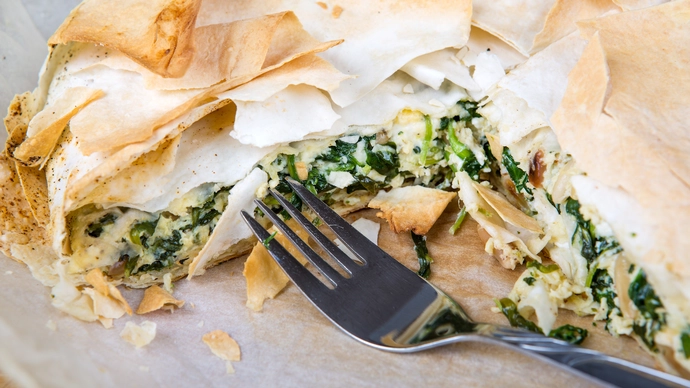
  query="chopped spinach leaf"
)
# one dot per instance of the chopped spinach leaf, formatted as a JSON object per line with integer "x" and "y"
{"x": 164, "y": 250}
{"x": 487, "y": 149}
{"x": 569, "y": 333}
{"x": 648, "y": 303}
{"x": 292, "y": 170}
{"x": 469, "y": 161}
{"x": 95, "y": 229}
{"x": 316, "y": 182}
{"x": 510, "y": 310}
{"x": 541, "y": 267}
{"x": 130, "y": 264}
{"x": 550, "y": 199}
{"x": 529, "y": 280}
{"x": 422, "y": 255}
{"x": 583, "y": 230}
{"x": 519, "y": 177}
{"x": 385, "y": 163}
{"x": 341, "y": 152}
{"x": 602, "y": 288}
{"x": 471, "y": 109}
{"x": 644, "y": 298}
{"x": 141, "y": 232}
{"x": 685, "y": 343}
{"x": 428, "y": 134}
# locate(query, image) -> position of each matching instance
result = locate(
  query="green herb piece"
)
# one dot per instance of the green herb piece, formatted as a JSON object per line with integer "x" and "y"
{"x": 583, "y": 230}
{"x": 471, "y": 108}
{"x": 141, "y": 232}
{"x": 428, "y": 134}
{"x": 603, "y": 245}
{"x": 458, "y": 221}
{"x": 550, "y": 199}
{"x": 469, "y": 161}
{"x": 164, "y": 252}
{"x": 268, "y": 239}
{"x": 341, "y": 152}
{"x": 130, "y": 264}
{"x": 95, "y": 229}
{"x": 510, "y": 310}
{"x": 422, "y": 255}
{"x": 685, "y": 343}
{"x": 208, "y": 217}
{"x": 384, "y": 162}
{"x": 518, "y": 176}
{"x": 590, "y": 274}
{"x": 647, "y": 302}
{"x": 292, "y": 170}
{"x": 316, "y": 182}
{"x": 602, "y": 287}
{"x": 487, "y": 149}
{"x": 529, "y": 280}
{"x": 541, "y": 267}
{"x": 569, "y": 333}
{"x": 316, "y": 222}
{"x": 643, "y": 296}
{"x": 592, "y": 246}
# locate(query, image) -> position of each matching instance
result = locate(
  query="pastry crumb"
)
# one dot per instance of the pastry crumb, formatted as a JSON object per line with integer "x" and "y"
{"x": 337, "y": 10}
{"x": 139, "y": 335}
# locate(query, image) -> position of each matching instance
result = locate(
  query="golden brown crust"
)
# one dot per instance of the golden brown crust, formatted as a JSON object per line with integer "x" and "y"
{"x": 17, "y": 224}
{"x": 156, "y": 298}
{"x": 156, "y": 34}
{"x": 265, "y": 279}
{"x": 47, "y": 125}
{"x": 411, "y": 208}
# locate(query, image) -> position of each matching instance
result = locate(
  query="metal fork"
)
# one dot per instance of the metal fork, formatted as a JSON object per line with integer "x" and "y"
{"x": 383, "y": 304}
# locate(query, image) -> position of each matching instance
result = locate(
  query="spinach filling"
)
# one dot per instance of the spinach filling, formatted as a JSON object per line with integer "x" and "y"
{"x": 569, "y": 333}
{"x": 95, "y": 229}
{"x": 653, "y": 317}
{"x": 374, "y": 162}
{"x": 423, "y": 256}
{"x": 152, "y": 242}
{"x": 517, "y": 175}
{"x": 591, "y": 245}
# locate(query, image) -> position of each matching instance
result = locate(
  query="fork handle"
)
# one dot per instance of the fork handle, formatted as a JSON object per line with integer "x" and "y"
{"x": 615, "y": 370}
{"x": 612, "y": 370}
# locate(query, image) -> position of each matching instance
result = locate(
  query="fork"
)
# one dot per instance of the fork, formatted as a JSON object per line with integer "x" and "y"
{"x": 383, "y": 304}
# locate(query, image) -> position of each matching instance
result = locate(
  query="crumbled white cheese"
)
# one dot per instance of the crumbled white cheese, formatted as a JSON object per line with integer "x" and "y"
{"x": 167, "y": 283}
{"x": 408, "y": 89}
{"x": 350, "y": 139}
{"x": 340, "y": 179}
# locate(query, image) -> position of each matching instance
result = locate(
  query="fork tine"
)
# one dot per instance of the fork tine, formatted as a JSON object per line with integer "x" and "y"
{"x": 331, "y": 274}
{"x": 303, "y": 279}
{"x": 336, "y": 253}
{"x": 354, "y": 240}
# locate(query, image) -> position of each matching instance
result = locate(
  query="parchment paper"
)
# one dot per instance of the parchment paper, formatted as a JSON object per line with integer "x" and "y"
{"x": 287, "y": 344}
